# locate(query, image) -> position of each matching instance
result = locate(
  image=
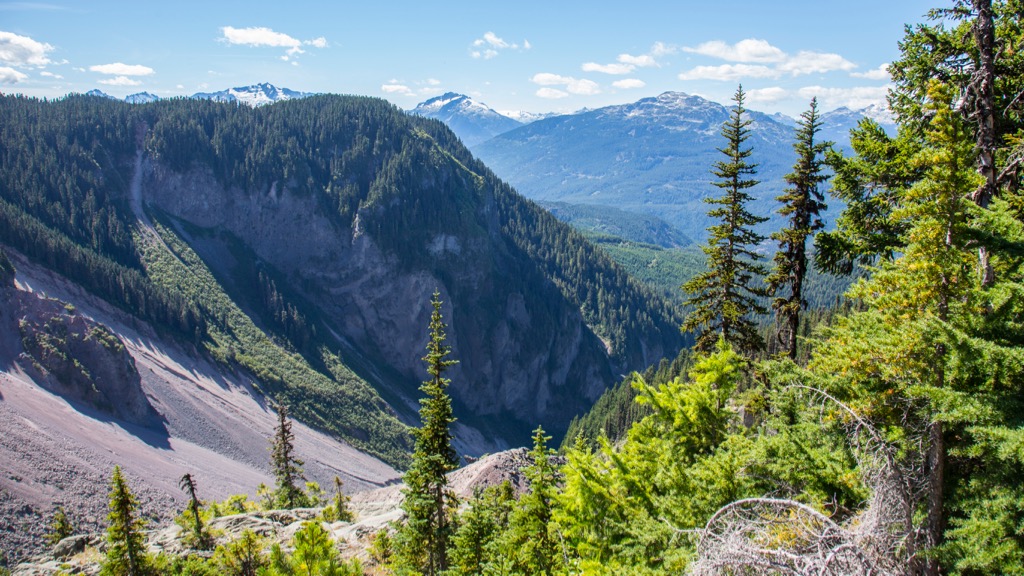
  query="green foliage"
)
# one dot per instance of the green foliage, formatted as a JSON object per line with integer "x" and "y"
{"x": 340, "y": 403}
{"x": 60, "y": 527}
{"x": 314, "y": 554}
{"x": 870, "y": 183}
{"x": 286, "y": 466}
{"x": 476, "y": 546}
{"x": 193, "y": 519}
{"x": 7, "y": 270}
{"x": 338, "y": 510}
{"x": 725, "y": 295}
{"x": 802, "y": 203}
{"x": 426, "y": 533}
{"x": 126, "y": 545}
{"x": 186, "y": 565}
{"x": 531, "y": 540}
{"x": 244, "y": 556}
{"x": 234, "y": 504}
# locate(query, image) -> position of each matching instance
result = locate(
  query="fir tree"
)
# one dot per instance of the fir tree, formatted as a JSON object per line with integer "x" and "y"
{"x": 126, "y": 546}
{"x": 287, "y": 467}
{"x": 530, "y": 539}
{"x": 60, "y": 527}
{"x": 200, "y": 537}
{"x": 243, "y": 556}
{"x": 803, "y": 203}
{"x": 423, "y": 541}
{"x": 726, "y": 294}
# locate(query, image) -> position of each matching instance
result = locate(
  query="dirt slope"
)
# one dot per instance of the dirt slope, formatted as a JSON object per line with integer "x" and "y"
{"x": 207, "y": 421}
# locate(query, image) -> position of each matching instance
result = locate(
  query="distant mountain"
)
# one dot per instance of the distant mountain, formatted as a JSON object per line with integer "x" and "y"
{"x": 524, "y": 117}
{"x": 141, "y": 98}
{"x": 254, "y": 95}
{"x": 473, "y": 122}
{"x": 836, "y": 124}
{"x": 100, "y": 93}
{"x": 653, "y": 156}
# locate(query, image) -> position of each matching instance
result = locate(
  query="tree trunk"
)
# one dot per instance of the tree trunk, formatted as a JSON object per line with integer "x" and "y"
{"x": 935, "y": 522}
{"x": 983, "y": 85}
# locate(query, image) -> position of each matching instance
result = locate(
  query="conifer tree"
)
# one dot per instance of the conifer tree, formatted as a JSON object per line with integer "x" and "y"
{"x": 424, "y": 539}
{"x": 802, "y": 202}
{"x": 200, "y": 537}
{"x": 60, "y": 527}
{"x": 726, "y": 294}
{"x": 126, "y": 546}
{"x": 530, "y": 539}
{"x": 287, "y": 467}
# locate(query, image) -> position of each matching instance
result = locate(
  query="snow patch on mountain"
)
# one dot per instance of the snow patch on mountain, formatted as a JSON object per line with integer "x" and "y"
{"x": 254, "y": 95}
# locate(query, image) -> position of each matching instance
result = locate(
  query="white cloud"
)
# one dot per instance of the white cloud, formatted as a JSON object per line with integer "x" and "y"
{"x": 748, "y": 50}
{"x": 608, "y": 68}
{"x": 10, "y": 76}
{"x": 729, "y": 72}
{"x": 662, "y": 49}
{"x": 120, "y": 81}
{"x": 433, "y": 82}
{"x": 815, "y": 63}
{"x": 122, "y": 69}
{"x": 855, "y": 98}
{"x": 772, "y": 94}
{"x": 641, "y": 61}
{"x": 490, "y": 45}
{"x": 880, "y": 73}
{"x": 258, "y": 36}
{"x": 761, "y": 52}
{"x": 393, "y": 87}
{"x": 51, "y": 75}
{"x": 629, "y": 83}
{"x": 18, "y": 50}
{"x": 551, "y": 93}
{"x": 579, "y": 86}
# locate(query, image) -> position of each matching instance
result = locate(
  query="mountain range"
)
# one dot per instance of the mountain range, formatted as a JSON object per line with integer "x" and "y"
{"x": 253, "y": 95}
{"x": 197, "y": 263}
{"x": 653, "y": 156}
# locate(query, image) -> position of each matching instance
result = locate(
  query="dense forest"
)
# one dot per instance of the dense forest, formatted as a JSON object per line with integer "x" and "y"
{"x": 367, "y": 168}
{"x": 885, "y": 436}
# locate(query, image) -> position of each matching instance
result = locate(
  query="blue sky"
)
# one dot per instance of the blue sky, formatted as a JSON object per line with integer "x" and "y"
{"x": 524, "y": 55}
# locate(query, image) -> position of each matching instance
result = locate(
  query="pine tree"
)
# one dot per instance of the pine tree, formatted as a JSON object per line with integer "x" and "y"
{"x": 243, "y": 556}
{"x": 126, "y": 546}
{"x": 338, "y": 510}
{"x": 726, "y": 294}
{"x": 287, "y": 467}
{"x": 424, "y": 539}
{"x": 803, "y": 203}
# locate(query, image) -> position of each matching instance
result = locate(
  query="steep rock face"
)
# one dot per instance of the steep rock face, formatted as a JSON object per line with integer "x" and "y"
{"x": 523, "y": 354}
{"x": 74, "y": 356}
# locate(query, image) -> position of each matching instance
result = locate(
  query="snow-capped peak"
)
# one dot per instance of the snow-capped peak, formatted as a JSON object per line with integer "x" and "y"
{"x": 141, "y": 98}
{"x": 254, "y": 95}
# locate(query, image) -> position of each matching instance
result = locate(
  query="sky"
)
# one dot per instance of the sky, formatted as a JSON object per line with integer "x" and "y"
{"x": 550, "y": 56}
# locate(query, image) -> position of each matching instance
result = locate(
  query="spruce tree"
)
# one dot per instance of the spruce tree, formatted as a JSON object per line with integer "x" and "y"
{"x": 802, "y": 202}
{"x": 726, "y": 294}
{"x": 424, "y": 539}
{"x": 126, "y": 546}
{"x": 287, "y": 467}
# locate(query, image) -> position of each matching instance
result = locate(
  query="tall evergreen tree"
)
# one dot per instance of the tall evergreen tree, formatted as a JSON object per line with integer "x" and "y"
{"x": 424, "y": 539}
{"x": 287, "y": 467}
{"x": 126, "y": 543}
{"x": 726, "y": 294}
{"x": 200, "y": 536}
{"x": 802, "y": 202}
{"x": 530, "y": 539}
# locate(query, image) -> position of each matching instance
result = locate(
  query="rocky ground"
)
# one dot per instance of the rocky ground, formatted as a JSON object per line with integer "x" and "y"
{"x": 56, "y": 450}
{"x": 373, "y": 509}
